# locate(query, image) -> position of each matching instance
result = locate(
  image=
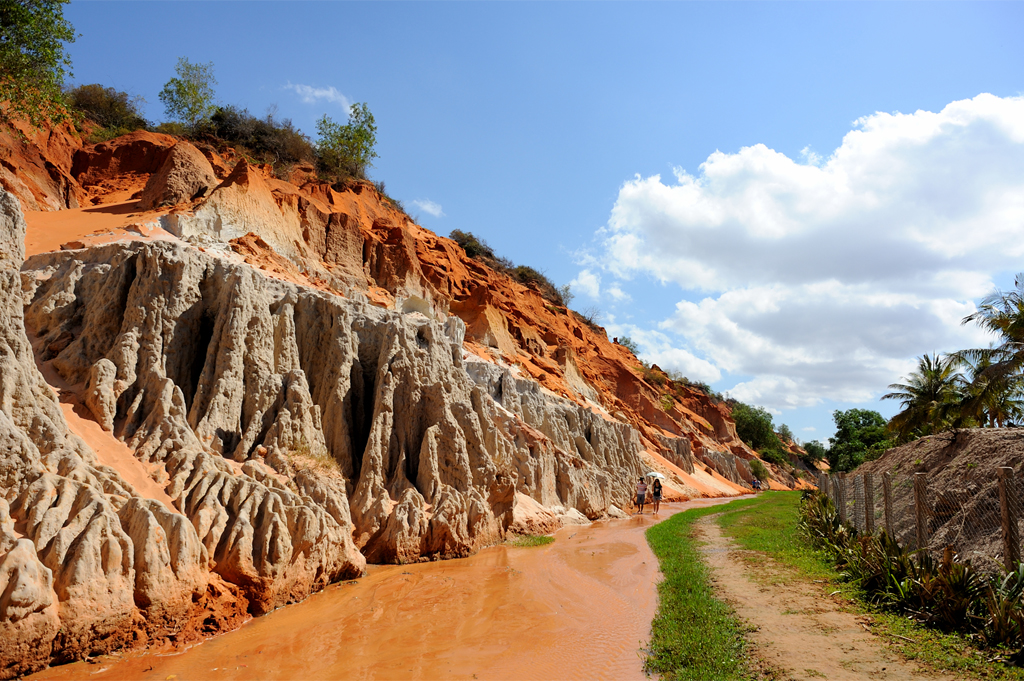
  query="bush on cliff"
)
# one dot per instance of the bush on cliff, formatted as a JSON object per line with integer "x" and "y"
{"x": 116, "y": 112}
{"x": 266, "y": 140}
{"x": 754, "y": 425}
{"x": 347, "y": 151}
{"x": 478, "y": 249}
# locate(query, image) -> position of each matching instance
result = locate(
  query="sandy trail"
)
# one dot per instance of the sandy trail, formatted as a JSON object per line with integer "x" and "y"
{"x": 580, "y": 608}
{"x": 798, "y": 632}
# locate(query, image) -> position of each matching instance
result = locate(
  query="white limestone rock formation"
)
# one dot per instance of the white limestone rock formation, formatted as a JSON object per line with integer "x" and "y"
{"x": 214, "y": 361}
{"x": 65, "y": 512}
{"x": 28, "y": 605}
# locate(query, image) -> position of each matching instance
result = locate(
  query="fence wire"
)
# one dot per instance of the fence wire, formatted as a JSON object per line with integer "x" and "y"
{"x": 966, "y": 516}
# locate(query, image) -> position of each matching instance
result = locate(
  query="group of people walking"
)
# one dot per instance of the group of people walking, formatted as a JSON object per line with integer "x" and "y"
{"x": 642, "y": 488}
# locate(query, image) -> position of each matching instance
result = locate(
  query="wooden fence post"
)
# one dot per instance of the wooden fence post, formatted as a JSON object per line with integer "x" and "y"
{"x": 842, "y": 498}
{"x": 887, "y": 499}
{"x": 1008, "y": 505}
{"x": 869, "y": 503}
{"x": 921, "y": 509}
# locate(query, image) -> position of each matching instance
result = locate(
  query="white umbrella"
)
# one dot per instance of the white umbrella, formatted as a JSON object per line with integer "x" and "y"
{"x": 654, "y": 474}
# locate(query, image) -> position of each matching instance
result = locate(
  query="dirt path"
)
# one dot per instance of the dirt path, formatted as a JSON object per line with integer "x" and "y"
{"x": 797, "y": 632}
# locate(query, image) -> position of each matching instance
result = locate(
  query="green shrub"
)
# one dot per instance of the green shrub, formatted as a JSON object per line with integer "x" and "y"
{"x": 478, "y": 249}
{"x": 114, "y": 111}
{"x": 775, "y": 456}
{"x": 629, "y": 344}
{"x": 948, "y": 594}
{"x": 759, "y": 470}
{"x": 266, "y": 140}
{"x": 754, "y": 426}
{"x": 172, "y": 128}
{"x": 347, "y": 151}
{"x": 653, "y": 376}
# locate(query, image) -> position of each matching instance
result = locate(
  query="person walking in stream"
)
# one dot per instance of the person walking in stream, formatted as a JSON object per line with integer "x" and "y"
{"x": 641, "y": 494}
{"x": 656, "y": 494}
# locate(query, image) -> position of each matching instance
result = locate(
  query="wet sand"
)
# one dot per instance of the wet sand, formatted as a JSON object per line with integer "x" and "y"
{"x": 580, "y": 608}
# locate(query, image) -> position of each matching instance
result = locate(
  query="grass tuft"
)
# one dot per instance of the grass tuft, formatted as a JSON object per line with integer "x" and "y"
{"x": 527, "y": 540}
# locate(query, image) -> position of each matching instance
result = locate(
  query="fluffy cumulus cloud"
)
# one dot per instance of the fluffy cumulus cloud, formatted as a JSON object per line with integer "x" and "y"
{"x": 311, "y": 95}
{"x": 657, "y": 347}
{"x": 825, "y": 278}
{"x": 588, "y": 283}
{"x": 429, "y": 207}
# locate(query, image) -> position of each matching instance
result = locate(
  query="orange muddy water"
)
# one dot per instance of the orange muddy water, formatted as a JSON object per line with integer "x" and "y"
{"x": 580, "y": 608}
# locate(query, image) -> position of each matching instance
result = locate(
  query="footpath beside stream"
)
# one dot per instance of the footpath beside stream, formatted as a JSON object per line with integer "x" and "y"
{"x": 580, "y": 607}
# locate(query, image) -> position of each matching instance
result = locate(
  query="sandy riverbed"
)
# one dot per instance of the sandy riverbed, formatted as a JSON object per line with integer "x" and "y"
{"x": 578, "y": 608}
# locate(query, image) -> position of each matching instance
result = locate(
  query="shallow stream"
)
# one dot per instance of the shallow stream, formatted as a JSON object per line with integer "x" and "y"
{"x": 580, "y": 607}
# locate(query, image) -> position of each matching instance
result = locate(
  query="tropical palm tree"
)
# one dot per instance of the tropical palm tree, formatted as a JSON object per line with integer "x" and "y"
{"x": 929, "y": 397}
{"x": 997, "y": 376}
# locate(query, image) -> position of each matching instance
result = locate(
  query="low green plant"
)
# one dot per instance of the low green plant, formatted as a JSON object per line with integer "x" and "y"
{"x": 629, "y": 344}
{"x": 528, "y": 540}
{"x": 949, "y": 594}
{"x": 265, "y": 140}
{"x": 759, "y": 470}
{"x": 667, "y": 403}
{"x": 117, "y": 113}
{"x": 478, "y": 249}
{"x": 775, "y": 530}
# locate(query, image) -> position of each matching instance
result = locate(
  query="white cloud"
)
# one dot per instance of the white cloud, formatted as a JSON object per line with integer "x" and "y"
{"x": 587, "y": 283}
{"x": 310, "y": 94}
{"x": 658, "y": 348}
{"x": 808, "y": 429}
{"x": 825, "y": 279}
{"x": 617, "y": 294}
{"x": 428, "y": 206}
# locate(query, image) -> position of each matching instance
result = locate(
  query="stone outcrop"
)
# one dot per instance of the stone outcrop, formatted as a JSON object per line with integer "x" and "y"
{"x": 184, "y": 176}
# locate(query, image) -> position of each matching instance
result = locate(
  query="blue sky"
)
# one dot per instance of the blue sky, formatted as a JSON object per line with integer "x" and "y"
{"x": 542, "y": 127}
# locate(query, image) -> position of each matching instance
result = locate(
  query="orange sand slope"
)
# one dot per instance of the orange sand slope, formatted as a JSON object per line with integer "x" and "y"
{"x": 49, "y": 230}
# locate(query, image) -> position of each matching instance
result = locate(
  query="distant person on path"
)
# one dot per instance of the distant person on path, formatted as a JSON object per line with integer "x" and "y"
{"x": 756, "y": 484}
{"x": 656, "y": 491}
{"x": 641, "y": 494}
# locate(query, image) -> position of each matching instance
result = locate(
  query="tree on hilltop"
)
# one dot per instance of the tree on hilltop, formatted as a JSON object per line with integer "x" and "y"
{"x": 928, "y": 396}
{"x": 189, "y": 96}
{"x": 347, "y": 150}
{"x": 861, "y": 435}
{"x": 33, "y": 61}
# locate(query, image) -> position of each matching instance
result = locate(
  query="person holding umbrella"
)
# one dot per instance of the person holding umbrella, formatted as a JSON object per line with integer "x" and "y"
{"x": 656, "y": 489}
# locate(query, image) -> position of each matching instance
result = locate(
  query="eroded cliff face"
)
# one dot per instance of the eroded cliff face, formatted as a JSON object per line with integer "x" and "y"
{"x": 298, "y": 434}
{"x": 305, "y": 380}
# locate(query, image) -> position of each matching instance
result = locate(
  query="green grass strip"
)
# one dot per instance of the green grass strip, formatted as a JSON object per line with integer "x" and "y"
{"x": 694, "y": 635}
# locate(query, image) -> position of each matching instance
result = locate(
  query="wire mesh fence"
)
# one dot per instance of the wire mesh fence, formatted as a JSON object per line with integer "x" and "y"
{"x": 979, "y": 521}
